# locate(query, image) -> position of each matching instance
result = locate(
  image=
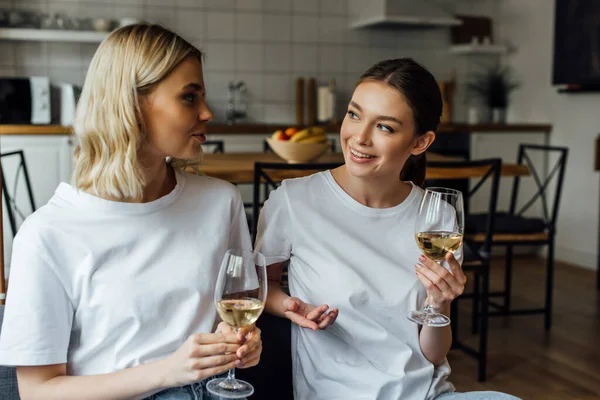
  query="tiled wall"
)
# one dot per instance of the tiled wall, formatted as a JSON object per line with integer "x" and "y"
{"x": 265, "y": 43}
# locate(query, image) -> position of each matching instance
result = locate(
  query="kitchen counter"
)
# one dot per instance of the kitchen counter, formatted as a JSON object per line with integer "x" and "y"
{"x": 243, "y": 128}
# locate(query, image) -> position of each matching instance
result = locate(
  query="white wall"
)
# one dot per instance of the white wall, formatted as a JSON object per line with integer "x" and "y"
{"x": 529, "y": 24}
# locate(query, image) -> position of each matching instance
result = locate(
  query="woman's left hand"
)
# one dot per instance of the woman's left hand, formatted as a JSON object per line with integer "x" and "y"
{"x": 442, "y": 285}
{"x": 249, "y": 352}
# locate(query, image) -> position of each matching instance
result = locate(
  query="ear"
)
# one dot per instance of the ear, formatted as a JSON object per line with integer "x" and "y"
{"x": 422, "y": 143}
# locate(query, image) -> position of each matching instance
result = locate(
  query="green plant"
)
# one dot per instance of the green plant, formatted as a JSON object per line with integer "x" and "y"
{"x": 493, "y": 86}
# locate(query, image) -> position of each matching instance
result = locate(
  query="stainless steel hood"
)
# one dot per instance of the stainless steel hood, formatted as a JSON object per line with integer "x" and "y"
{"x": 398, "y": 13}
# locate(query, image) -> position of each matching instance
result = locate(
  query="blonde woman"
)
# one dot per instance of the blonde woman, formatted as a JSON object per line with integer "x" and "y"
{"x": 112, "y": 282}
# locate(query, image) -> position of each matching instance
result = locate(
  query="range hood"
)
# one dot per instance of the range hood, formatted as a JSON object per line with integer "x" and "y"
{"x": 398, "y": 13}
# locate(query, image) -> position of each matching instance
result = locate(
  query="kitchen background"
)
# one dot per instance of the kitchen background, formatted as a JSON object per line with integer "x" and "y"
{"x": 269, "y": 43}
{"x": 265, "y": 43}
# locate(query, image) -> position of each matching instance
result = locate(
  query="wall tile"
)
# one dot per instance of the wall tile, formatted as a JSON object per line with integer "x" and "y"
{"x": 249, "y": 5}
{"x": 305, "y": 29}
{"x": 220, "y": 25}
{"x": 277, "y": 28}
{"x": 278, "y": 6}
{"x": 249, "y": 27}
{"x": 306, "y": 7}
{"x": 190, "y": 23}
{"x": 219, "y": 56}
{"x": 278, "y": 57}
{"x": 249, "y": 57}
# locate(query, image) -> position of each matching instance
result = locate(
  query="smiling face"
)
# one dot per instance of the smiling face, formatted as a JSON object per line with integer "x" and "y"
{"x": 175, "y": 113}
{"x": 378, "y": 132}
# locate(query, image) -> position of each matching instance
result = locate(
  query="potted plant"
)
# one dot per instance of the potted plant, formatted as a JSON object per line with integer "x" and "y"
{"x": 493, "y": 86}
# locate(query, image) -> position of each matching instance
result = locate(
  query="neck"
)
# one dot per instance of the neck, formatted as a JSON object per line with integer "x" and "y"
{"x": 379, "y": 192}
{"x": 160, "y": 178}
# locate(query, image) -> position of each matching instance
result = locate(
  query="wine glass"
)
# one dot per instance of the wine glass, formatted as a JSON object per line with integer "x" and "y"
{"x": 439, "y": 229}
{"x": 240, "y": 298}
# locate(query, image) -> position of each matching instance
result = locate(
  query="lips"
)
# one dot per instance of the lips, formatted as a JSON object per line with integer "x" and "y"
{"x": 359, "y": 154}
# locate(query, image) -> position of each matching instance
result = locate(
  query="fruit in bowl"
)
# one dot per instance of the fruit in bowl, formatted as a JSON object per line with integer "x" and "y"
{"x": 299, "y": 146}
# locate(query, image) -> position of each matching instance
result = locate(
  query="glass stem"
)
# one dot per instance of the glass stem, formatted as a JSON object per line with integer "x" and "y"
{"x": 231, "y": 373}
{"x": 429, "y": 309}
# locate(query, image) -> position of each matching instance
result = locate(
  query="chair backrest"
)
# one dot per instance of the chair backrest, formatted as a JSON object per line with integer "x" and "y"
{"x": 10, "y": 196}
{"x": 556, "y": 174}
{"x": 214, "y": 146}
{"x": 270, "y": 176}
{"x": 492, "y": 169}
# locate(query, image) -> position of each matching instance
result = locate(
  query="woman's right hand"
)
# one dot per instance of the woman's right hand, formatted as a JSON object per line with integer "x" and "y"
{"x": 308, "y": 316}
{"x": 202, "y": 356}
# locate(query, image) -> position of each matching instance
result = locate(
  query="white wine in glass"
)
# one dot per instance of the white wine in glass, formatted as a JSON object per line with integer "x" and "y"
{"x": 240, "y": 298}
{"x": 439, "y": 229}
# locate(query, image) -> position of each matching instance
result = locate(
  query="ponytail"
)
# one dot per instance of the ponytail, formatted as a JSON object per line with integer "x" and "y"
{"x": 414, "y": 170}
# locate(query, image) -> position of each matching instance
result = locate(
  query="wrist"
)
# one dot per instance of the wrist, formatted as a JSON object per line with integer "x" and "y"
{"x": 161, "y": 370}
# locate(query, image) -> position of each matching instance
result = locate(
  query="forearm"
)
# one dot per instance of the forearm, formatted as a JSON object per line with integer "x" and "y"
{"x": 132, "y": 383}
{"x": 275, "y": 298}
{"x": 436, "y": 342}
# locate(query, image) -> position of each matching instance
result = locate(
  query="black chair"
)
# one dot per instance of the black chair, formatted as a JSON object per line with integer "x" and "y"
{"x": 476, "y": 257}
{"x": 514, "y": 229}
{"x": 10, "y": 199}
{"x": 214, "y": 146}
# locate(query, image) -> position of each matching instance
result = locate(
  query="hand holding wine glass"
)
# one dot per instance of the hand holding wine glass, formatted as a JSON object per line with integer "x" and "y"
{"x": 240, "y": 299}
{"x": 439, "y": 230}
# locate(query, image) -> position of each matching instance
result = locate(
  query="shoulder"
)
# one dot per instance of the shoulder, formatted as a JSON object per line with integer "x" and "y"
{"x": 306, "y": 184}
{"x": 211, "y": 186}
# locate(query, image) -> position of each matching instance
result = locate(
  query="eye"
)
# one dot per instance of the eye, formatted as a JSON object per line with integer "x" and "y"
{"x": 385, "y": 128}
{"x": 190, "y": 97}
{"x": 352, "y": 114}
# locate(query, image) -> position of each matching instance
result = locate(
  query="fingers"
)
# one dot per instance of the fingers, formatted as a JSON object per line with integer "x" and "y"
{"x": 302, "y": 321}
{"x": 316, "y": 313}
{"x": 213, "y": 338}
{"x": 328, "y": 319}
{"x": 205, "y": 373}
{"x": 253, "y": 342}
{"x": 456, "y": 268}
{"x": 432, "y": 289}
{"x": 214, "y": 361}
{"x": 440, "y": 276}
{"x": 214, "y": 349}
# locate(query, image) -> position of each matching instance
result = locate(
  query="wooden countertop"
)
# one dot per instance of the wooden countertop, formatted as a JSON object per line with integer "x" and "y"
{"x": 266, "y": 129}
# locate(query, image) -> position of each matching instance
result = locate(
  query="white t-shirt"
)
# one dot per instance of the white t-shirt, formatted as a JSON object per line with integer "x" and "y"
{"x": 361, "y": 260}
{"x": 104, "y": 285}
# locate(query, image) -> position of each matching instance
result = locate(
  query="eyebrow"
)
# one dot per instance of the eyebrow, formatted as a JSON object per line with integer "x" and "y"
{"x": 379, "y": 117}
{"x": 195, "y": 86}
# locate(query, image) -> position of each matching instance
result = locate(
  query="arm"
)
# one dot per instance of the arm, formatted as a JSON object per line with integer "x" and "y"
{"x": 442, "y": 288}
{"x": 304, "y": 314}
{"x": 200, "y": 357}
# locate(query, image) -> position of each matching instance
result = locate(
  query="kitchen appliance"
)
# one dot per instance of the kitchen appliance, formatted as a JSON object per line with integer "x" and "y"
{"x": 64, "y": 101}
{"x": 25, "y": 100}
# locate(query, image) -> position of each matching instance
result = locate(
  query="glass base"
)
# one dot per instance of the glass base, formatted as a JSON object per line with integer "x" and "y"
{"x": 429, "y": 318}
{"x": 235, "y": 389}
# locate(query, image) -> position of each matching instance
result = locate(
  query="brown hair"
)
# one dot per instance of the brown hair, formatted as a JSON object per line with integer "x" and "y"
{"x": 423, "y": 95}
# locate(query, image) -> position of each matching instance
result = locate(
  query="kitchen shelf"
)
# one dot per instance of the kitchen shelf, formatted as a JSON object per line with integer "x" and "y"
{"x": 469, "y": 49}
{"x": 52, "y": 35}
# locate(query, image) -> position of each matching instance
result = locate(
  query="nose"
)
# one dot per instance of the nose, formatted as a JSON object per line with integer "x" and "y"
{"x": 363, "y": 135}
{"x": 204, "y": 114}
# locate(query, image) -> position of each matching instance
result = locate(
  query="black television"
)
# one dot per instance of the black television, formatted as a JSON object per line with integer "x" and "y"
{"x": 577, "y": 45}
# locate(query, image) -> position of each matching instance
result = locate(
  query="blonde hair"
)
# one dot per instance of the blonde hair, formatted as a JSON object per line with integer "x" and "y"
{"x": 130, "y": 62}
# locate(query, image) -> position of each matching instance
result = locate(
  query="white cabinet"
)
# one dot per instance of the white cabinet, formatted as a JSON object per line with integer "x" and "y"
{"x": 49, "y": 161}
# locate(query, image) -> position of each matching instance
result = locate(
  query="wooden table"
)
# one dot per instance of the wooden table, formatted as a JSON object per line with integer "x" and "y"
{"x": 239, "y": 167}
